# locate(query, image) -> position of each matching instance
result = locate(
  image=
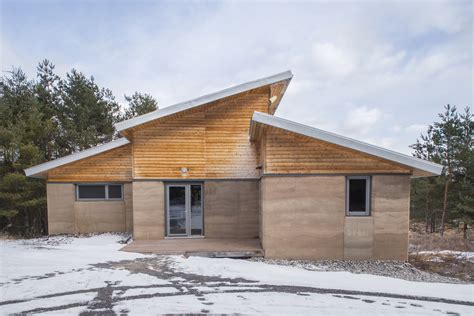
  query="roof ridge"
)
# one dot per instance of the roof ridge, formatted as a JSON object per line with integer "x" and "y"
{"x": 207, "y": 98}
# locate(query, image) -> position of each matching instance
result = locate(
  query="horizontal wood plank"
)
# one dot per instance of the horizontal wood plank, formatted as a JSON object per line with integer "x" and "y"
{"x": 113, "y": 165}
{"x": 211, "y": 143}
{"x": 289, "y": 153}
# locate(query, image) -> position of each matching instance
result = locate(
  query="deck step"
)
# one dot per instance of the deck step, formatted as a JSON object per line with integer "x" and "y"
{"x": 225, "y": 254}
{"x": 204, "y": 247}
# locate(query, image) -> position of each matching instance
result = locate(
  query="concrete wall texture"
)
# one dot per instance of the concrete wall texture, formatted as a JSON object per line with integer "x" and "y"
{"x": 231, "y": 209}
{"x": 300, "y": 217}
{"x": 66, "y": 215}
{"x": 148, "y": 210}
{"x": 304, "y": 217}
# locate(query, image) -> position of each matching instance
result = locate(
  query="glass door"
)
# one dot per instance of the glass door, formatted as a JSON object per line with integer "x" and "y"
{"x": 184, "y": 210}
{"x": 196, "y": 209}
{"x": 176, "y": 210}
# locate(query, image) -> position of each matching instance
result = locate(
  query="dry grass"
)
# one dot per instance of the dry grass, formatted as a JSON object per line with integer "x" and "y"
{"x": 426, "y": 252}
{"x": 452, "y": 240}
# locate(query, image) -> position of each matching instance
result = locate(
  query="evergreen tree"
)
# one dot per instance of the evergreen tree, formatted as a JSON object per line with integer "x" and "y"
{"x": 87, "y": 113}
{"x": 48, "y": 97}
{"x": 139, "y": 104}
{"x": 22, "y": 127}
{"x": 43, "y": 120}
{"x": 465, "y": 190}
{"x": 448, "y": 142}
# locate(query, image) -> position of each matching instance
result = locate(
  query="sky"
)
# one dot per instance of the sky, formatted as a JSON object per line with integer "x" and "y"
{"x": 377, "y": 71}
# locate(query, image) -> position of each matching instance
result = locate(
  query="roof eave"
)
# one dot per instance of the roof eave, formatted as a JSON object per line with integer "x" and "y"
{"x": 427, "y": 166}
{"x": 39, "y": 171}
{"x": 142, "y": 119}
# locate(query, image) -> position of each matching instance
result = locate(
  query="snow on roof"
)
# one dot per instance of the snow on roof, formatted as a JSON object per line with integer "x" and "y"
{"x": 32, "y": 171}
{"x": 120, "y": 126}
{"x": 347, "y": 142}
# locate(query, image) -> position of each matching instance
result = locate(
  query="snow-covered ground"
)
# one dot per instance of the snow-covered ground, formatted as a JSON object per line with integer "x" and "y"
{"x": 466, "y": 255}
{"x": 69, "y": 275}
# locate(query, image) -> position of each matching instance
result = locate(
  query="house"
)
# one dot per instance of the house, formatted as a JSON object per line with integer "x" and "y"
{"x": 224, "y": 167}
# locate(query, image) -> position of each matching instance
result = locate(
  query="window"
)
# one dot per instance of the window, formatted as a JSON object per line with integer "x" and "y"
{"x": 358, "y": 196}
{"x": 99, "y": 191}
{"x": 115, "y": 191}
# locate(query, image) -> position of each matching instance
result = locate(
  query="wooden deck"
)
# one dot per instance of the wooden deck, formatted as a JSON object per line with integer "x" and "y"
{"x": 205, "y": 247}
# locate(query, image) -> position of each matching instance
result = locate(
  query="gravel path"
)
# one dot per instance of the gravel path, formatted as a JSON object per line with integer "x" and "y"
{"x": 393, "y": 269}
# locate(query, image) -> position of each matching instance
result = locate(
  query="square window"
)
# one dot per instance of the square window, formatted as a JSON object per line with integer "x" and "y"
{"x": 115, "y": 191}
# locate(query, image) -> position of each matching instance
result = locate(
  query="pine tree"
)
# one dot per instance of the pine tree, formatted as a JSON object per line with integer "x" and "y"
{"x": 465, "y": 206}
{"x": 22, "y": 127}
{"x": 43, "y": 120}
{"x": 47, "y": 95}
{"x": 448, "y": 142}
{"x": 139, "y": 104}
{"x": 87, "y": 113}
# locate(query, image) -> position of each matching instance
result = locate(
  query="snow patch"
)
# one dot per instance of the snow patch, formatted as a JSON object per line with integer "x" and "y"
{"x": 284, "y": 275}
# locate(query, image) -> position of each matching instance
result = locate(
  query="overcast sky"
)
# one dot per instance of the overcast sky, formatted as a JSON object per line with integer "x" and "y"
{"x": 378, "y": 72}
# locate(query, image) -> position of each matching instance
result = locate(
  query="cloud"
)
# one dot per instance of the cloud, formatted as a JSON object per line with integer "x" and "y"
{"x": 416, "y": 128}
{"x": 403, "y": 60}
{"x": 361, "y": 120}
{"x": 331, "y": 60}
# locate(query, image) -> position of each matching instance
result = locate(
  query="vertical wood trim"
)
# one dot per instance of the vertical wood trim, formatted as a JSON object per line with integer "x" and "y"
{"x": 133, "y": 161}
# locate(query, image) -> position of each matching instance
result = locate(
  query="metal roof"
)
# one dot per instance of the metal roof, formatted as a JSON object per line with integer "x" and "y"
{"x": 121, "y": 126}
{"x": 32, "y": 171}
{"x": 347, "y": 142}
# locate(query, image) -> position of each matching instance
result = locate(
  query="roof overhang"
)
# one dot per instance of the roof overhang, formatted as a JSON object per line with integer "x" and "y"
{"x": 283, "y": 77}
{"x": 39, "y": 171}
{"x": 262, "y": 118}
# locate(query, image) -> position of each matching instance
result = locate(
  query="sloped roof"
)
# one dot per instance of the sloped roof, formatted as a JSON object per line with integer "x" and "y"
{"x": 270, "y": 120}
{"x": 124, "y": 125}
{"x": 37, "y": 170}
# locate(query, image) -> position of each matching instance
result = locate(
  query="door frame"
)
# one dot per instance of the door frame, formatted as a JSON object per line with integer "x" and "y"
{"x": 187, "y": 186}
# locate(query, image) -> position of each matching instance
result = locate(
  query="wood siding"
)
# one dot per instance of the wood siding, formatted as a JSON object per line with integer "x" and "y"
{"x": 112, "y": 165}
{"x": 290, "y": 153}
{"x": 211, "y": 143}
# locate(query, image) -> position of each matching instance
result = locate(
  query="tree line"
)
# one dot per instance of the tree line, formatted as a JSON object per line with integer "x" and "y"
{"x": 450, "y": 142}
{"x": 45, "y": 118}
{"x": 49, "y": 117}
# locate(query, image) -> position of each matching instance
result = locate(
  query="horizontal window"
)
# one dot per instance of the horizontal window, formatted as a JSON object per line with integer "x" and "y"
{"x": 99, "y": 191}
{"x": 358, "y": 196}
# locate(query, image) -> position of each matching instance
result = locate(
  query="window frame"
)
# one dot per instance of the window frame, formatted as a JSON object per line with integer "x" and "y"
{"x": 106, "y": 187}
{"x": 188, "y": 185}
{"x": 368, "y": 196}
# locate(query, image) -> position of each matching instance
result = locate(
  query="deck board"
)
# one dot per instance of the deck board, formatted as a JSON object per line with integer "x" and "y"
{"x": 210, "y": 247}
